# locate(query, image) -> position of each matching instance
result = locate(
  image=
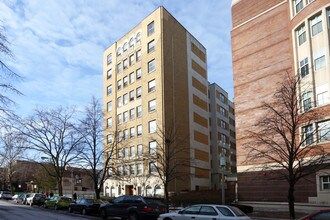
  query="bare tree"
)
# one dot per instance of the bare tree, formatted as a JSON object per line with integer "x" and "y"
{"x": 276, "y": 142}
{"x": 6, "y": 74}
{"x": 95, "y": 158}
{"x": 169, "y": 159}
{"x": 52, "y": 136}
{"x": 12, "y": 150}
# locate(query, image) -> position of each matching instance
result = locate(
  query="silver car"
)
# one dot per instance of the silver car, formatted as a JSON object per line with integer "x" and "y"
{"x": 206, "y": 212}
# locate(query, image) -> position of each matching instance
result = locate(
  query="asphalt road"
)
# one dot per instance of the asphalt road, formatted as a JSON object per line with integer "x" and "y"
{"x": 12, "y": 211}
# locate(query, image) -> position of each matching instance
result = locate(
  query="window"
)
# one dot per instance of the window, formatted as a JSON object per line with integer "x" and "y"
{"x": 131, "y": 42}
{"x": 301, "y": 32}
{"x": 132, "y": 132}
{"x": 139, "y": 169}
{"x": 138, "y": 37}
{"x": 131, "y": 169}
{"x": 119, "y": 119}
{"x": 152, "y": 167}
{"x": 325, "y": 182}
{"x": 131, "y": 59}
{"x": 223, "y": 112}
{"x": 151, "y": 28}
{"x": 132, "y": 113}
{"x": 222, "y": 98}
{"x": 119, "y": 84}
{"x": 119, "y": 68}
{"x": 223, "y": 124}
{"x": 119, "y": 102}
{"x": 151, "y": 46}
{"x": 299, "y": 4}
{"x": 119, "y": 51}
{"x": 138, "y": 92}
{"x": 324, "y": 131}
{"x": 125, "y": 64}
{"x": 109, "y": 122}
{"x": 109, "y": 138}
{"x": 138, "y": 73}
{"x": 109, "y": 106}
{"x": 109, "y": 59}
{"x": 209, "y": 211}
{"x": 151, "y": 66}
{"x": 316, "y": 25}
{"x": 131, "y": 78}
{"x": 125, "y": 81}
{"x": 152, "y": 126}
{"x": 120, "y": 136}
{"x": 132, "y": 151}
{"x": 125, "y": 47}
{"x": 109, "y": 73}
{"x": 152, "y": 147}
{"x": 139, "y": 111}
{"x": 109, "y": 90}
{"x": 304, "y": 67}
{"x": 152, "y": 105}
{"x": 225, "y": 211}
{"x": 125, "y": 138}
{"x": 308, "y": 134}
{"x": 319, "y": 59}
{"x": 152, "y": 85}
{"x": 138, "y": 55}
{"x": 125, "y": 116}
{"x": 322, "y": 98}
{"x": 139, "y": 149}
{"x": 307, "y": 100}
{"x": 139, "y": 130}
{"x": 131, "y": 95}
{"x": 125, "y": 170}
{"x": 125, "y": 98}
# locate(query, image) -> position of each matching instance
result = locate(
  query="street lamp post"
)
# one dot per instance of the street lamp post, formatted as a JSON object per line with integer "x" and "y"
{"x": 222, "y": 167}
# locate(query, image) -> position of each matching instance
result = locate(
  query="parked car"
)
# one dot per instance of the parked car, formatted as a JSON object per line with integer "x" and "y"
{"x": 320, "y": 215}
{"x": 5, "y": 195}
{"x": 58, "y": 202}
{"x": 85, "y": 206}
{"x": 21, "y": 199}
{"x": 36, "y": 199}
{"x": 133, "y": 207}
{"x": 206, "y": 211}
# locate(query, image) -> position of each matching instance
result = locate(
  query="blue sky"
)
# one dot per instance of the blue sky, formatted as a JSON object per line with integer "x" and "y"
{"x": 58, "y": 44}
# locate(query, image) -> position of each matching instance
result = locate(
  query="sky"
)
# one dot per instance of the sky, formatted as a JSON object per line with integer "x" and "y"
{"x": 58, "y": 45}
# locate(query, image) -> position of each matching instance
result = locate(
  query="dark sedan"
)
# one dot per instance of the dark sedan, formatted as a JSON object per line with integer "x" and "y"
{"x": 85, "y": 206}
{"x": 320, "y": 215}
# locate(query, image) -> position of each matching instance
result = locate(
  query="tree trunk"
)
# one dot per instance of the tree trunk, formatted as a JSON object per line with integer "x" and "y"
{"x": 167, "y": 199}
{"x": 59, "y": 186}
{"x": 97, "y": 192}
{"x": 291, "y": 201}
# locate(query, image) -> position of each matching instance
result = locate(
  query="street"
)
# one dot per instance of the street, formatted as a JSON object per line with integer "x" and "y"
{"x": 12, "y": 211}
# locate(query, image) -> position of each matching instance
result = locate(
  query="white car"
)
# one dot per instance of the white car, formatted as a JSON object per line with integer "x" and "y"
{"x": 206, "y": 212}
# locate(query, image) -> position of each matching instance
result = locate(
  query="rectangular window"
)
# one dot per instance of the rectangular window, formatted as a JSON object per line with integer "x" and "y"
{"x": 119, "y": 102}
{"x": 138, "y": 55}
{"x": 132, "y": 169}
{"x": 151, "y": 46}
{"x": 139, "y": 150}
{"x": 109, "y": 122}
{"x": 109, "y": 138}
{"x": 304, "y": 71}
{"x": 322, "y": 98}
{"x": 119, "y": 119}
{"x": 152, "y": 85}
{"x": 152, "y": 147}
{"x": 131, "y": 95}
{"x": 132, "y": 113}
{"x": 139, "y": 169}
{"x": 223, "y": 124}
{"x": 301, "y": 33}
{"x": 299, "y": 4}
{"x": 109, "y": 106}
{"x": 152, "y": 126}
{"x": 307, "y": 100}
{"x": 132, "y": 132}
{"x": 325, "y": 182}
{"x": 119, "y": 68}
{"x": 151, "y": 28}
{"x": 120, "y": 136}
{"x": 223, "y": 112}
{"x": 125, "y": 64}
{"x": 151, "y": 66}
{"x": 138, "y": 74}
{"x": 152, "y": 167}
{"x": 138, "y": 92}
{"x": 126, "y": 170}
{"x": 125, "y": 116}
{"x": 222, "y": 98}
{"x": 132, "y": 151}
{"x": 125, "y": 81}
{"x": 139, "y": 111}
{"x": 139, "y": 130}
{"x": 109, "y": 59}
{"x": 109, "y": 73}
{"x": 119, "y": 84}
{"x": 319, "y": 59}
{"x": 131, "y": 78}
{"x": 125, "y": 98}
{"x": 109, "y": 90}
{"x": 316, "y": 25}
{"x": 125, "y": 138}
{"x": 323, "y": 131}
{"x": 131, "y": 59}
{"x": 308, "y": 134}
{"x": 152, "y": 105}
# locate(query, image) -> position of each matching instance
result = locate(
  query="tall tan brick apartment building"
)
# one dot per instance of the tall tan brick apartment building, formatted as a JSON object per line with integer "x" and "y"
{"x": 155, "y": 77}
{"x": 268, "y": 39}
